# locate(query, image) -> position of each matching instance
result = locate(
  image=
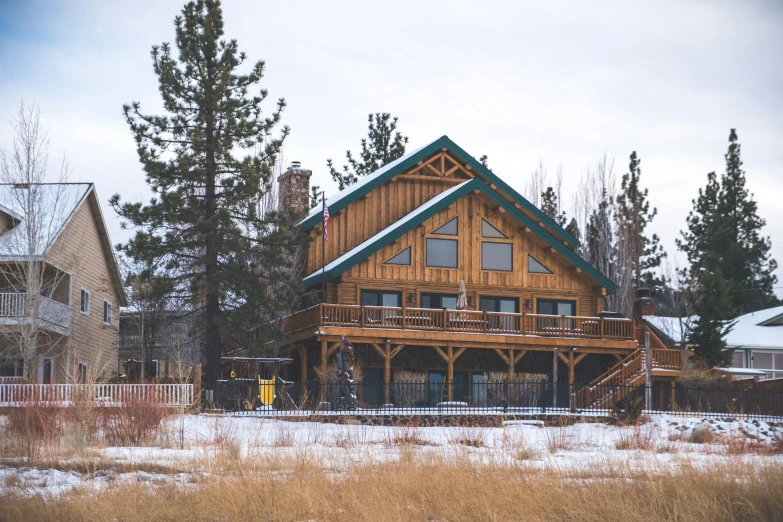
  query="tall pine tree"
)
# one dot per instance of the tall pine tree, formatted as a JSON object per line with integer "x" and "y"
{"x": 724, "y": 235}
{"x": 383, "y": 145}
{"x": 634, "y": 215}
{"x": 209, "y": 161}
{"x": 712, "y": 308}
{"x": 550, "y": 205}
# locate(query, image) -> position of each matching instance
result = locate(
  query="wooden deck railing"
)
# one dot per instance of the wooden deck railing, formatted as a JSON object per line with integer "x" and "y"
{"x": 469, "y": 321}
{"x": 169, "y": 395}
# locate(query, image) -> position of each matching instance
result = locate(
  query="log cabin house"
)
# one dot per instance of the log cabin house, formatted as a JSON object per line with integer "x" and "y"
{"x": 399, "y": 243}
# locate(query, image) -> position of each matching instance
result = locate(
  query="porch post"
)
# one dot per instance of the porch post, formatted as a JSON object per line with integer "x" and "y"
{"x": 571, "y": 365}
{"x": 386, "y": 371}
{"x": 554, "y": 379}
{"x": 303, "y": 367}
{"x": 450, "y": 373}
{"x": 324, "y": 349}
{"x": 510, "y": 364}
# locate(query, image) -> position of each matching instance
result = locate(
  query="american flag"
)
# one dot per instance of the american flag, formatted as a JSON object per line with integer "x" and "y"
{"x": 326, "y": 222}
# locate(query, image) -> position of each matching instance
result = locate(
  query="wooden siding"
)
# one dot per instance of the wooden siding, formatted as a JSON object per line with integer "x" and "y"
{"x": 81, "y": 251}
{"x": 391, "y": 201}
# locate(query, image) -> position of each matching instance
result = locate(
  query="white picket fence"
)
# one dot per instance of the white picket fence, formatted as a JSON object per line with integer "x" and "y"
{"x": 169, "y": 395}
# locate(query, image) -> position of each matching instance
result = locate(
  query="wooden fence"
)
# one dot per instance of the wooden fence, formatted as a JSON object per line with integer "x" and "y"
{"x": 168, "y": 395}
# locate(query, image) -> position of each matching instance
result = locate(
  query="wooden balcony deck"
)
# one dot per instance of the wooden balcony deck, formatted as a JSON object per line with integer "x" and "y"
{"x": 370, "y": 323}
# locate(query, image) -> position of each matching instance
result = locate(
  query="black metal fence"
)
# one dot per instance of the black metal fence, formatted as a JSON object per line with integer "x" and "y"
{"x": 500, "y": 398}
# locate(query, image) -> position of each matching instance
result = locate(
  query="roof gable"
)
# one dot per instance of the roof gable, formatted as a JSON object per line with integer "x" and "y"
{"x": 370, "y": 182}
{"x": 429, "y": 209}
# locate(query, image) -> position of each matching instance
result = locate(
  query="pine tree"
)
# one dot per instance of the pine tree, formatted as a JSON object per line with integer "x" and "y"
{"x": 724, "y": 228}
{"x": 713, "y": 308}
{"x": 209, "y": 162}
{"x": 634, "y": 215}
{"x": 573, "y": 229}
{"x": 550, "y": 205}
{"x": 383, "y": 145}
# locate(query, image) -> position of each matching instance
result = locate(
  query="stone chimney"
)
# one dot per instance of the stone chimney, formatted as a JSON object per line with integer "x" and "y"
{"x": 643, "y": 304}
{"x": 294, "y": 188}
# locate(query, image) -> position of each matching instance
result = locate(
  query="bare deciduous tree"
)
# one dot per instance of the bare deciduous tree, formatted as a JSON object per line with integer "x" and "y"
{"x": 33, "y": 211}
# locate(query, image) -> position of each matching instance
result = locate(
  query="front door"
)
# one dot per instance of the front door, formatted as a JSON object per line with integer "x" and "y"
{"x": 46, "y": 372}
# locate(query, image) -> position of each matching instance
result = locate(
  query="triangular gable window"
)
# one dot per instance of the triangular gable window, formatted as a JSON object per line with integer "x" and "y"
{"x": 536, "y": 267}
{"x": 449, "y": 229}
{"x": 488, "y": 230}
{"x": 403, "y": 258}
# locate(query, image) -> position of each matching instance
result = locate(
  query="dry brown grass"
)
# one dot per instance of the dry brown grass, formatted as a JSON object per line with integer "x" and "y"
{"x": 701, "y": 435}
{"x": 410, "y": 435}
{"x": 560, "y": 438}
{"x": 635, "y": 439}
{"x": 412, "y": 490}
{"x": 468, "y": 436}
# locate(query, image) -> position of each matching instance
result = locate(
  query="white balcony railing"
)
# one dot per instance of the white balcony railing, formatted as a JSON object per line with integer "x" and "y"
{"x": 169, "y": 395}
{"x": 14, "y": 305}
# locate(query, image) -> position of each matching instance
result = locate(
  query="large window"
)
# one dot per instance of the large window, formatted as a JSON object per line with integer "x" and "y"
{"x": 768, "y": 361}
{"x": 439, "y": 301}
{"x": 449, "y": 229}
{"x": 381, "y": 298}
{"x": 497, "y": 256}
{"x": 403, "y": 258}
{"x": 556, "y": 307}
{"x": 508, "y": 305}
{"x": 534, "y": 266}
{"x": 442, "y": 253}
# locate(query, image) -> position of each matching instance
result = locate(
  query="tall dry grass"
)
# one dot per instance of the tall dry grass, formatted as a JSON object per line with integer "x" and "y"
{"x": 412, "y": 489}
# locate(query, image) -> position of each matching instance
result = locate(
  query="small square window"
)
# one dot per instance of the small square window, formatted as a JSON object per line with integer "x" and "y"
{"x": 106, "y": 312}
{"x": 497, "y": 256}
{"x": 84, "y": 302}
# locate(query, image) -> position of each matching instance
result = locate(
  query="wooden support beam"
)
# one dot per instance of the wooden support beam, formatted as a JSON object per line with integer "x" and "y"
{"x": 502, "y": 355}
{"x": 332, "y": 349}
{"x": 519, "y": 207}
{"x": 458, "y": 353}
{"x": 386, "y": 371}
{"x": 493, "y": 186}
{"x": 452, "y": 170}
{"x": 379, "y": 350}
{"x": 303, "y": 367}
{"x": 579, "y": 358}
{"x": 571, "y": 365}
{"x": 468, "y": 167}
{"x": 541, "y": 224}
{"x": 563, "y": 357}
{"x": 324, "y": 355}
{"x": 441, "y": 353}
{"x": 450, "y": 373}
{"x": 396, "y": 350}
{"x": 519, "y": 356}
{"x": 577, "y": 270}
{"x": 433, "y": 169}
{"x": 499, "y": 210}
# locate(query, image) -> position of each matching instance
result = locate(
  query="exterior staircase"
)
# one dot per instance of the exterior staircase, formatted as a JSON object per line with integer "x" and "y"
{"x": 629, "y": 374}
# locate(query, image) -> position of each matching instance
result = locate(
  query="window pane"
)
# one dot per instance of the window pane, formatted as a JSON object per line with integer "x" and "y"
{"x": 535, "y": 267}
{"x": 391, "y": 299}
{"x": 738, "y": 360}
{"x": 546, "y": 308}
{"x": 565, "y": 308}
{"x": 509, "y": 306}
{"x": 762, "y": 361}
{"x": 449, "y": 229}
{"x": 488, "y": 304}
{"x": 442, "y": 253}
{"x": 449, "y": 302}
{"x": 779, "y": 361}
{"x": 427, "y": 301}
{"x": 403, "y": 258}
{"x": 488, "y": 230}
{"x": 369, "y": 298}
{"x": 496, "y": 256}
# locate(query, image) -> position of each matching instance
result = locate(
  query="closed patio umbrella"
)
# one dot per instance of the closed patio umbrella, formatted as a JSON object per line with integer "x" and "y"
{"x": 462, "y": 297}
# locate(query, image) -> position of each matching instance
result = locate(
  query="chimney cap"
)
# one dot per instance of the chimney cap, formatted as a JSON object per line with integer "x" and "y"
{"x": 296, "y": 165}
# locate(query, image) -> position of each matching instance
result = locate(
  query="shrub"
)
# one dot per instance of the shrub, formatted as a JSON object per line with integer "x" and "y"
{"x": 135, "y": 422}
{"x": 34, "y": 427}
{"x": 522, "y": 390}
{"x": 409, "y": 388}
{"x": 410, "y": 435}
{"x": 560, "y": 438}
{"x": 636, "y": 439}
{"x": 468, "y": 436}
{"x": 516, "y": 444}
{"x": 701, "y": 435}
{"x": 628, "y": 410}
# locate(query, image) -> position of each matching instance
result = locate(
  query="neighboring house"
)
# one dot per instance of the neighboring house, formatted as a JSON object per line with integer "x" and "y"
{"x": 673, "y": 331}
{"x": 757, "y": 339}
{"x": 60, "y": 286}
{"x": 164, "y": 350}
{"x": 402, "y": 239}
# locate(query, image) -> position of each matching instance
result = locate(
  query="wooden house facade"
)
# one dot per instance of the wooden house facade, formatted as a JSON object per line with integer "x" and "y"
{"x": 399, "y": 244}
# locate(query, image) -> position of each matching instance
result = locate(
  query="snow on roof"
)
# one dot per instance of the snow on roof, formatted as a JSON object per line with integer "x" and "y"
{"x": 675, "y": 328}
{"x": 400, "y": 222}
{"x": 741, "y": 371}
{"x": 346, "y": 192}
{"x": 750, "y": 331}
{"x": 52, "y": 205}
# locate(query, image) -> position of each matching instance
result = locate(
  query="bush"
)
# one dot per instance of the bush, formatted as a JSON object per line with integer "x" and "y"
{"x": 701, "y": 435}
{"x": 468, "y": 436}
{"x": 522, "y": 390}
{"x": 34, "y": 427}
{"x": 134, "y": 423}
{"x": 628, "y": 410}
{"x": 409, "y": 389}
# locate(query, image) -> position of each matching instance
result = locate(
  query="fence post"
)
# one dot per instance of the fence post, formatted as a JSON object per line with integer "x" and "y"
{"x": 197, "y": 387}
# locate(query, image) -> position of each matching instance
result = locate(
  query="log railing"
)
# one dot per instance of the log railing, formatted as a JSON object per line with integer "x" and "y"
{"x": 470, "y": 321}
{"x": 667, "y": 359}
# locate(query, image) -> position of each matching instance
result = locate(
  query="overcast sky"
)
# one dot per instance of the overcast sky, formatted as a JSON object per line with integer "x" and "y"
{"x": 517, "y": 81}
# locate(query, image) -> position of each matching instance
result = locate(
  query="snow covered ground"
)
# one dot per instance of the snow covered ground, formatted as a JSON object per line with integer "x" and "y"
{"x": 195, "y": 444}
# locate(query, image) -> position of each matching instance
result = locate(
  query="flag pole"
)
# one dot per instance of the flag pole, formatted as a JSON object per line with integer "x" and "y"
{"x": 323, "y": 244}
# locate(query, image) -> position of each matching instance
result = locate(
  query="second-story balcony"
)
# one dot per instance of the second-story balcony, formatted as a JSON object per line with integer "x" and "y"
{"x": 14, "y": 309}
{"x": 459, "y": 321}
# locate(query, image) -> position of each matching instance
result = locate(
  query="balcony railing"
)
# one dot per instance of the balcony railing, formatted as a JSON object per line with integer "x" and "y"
{"x": 467, "y": 321}
{"x": 14, "y": 305}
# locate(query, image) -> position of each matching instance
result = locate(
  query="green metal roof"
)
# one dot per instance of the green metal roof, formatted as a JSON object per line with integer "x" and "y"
{"x": 429, "y": 209}
{"x": 372, "y": 181}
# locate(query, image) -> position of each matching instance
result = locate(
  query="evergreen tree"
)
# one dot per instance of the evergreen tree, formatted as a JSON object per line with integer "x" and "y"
{"x": 209, "y": 162}
{"x": 383, "y": 145}
{"x": 551, "y": 206}
{"x": 713, "y": 308}
{"x": 573, "y": 229}
{"x": 634, "y": 215}
{"x": 724, "y": 231}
